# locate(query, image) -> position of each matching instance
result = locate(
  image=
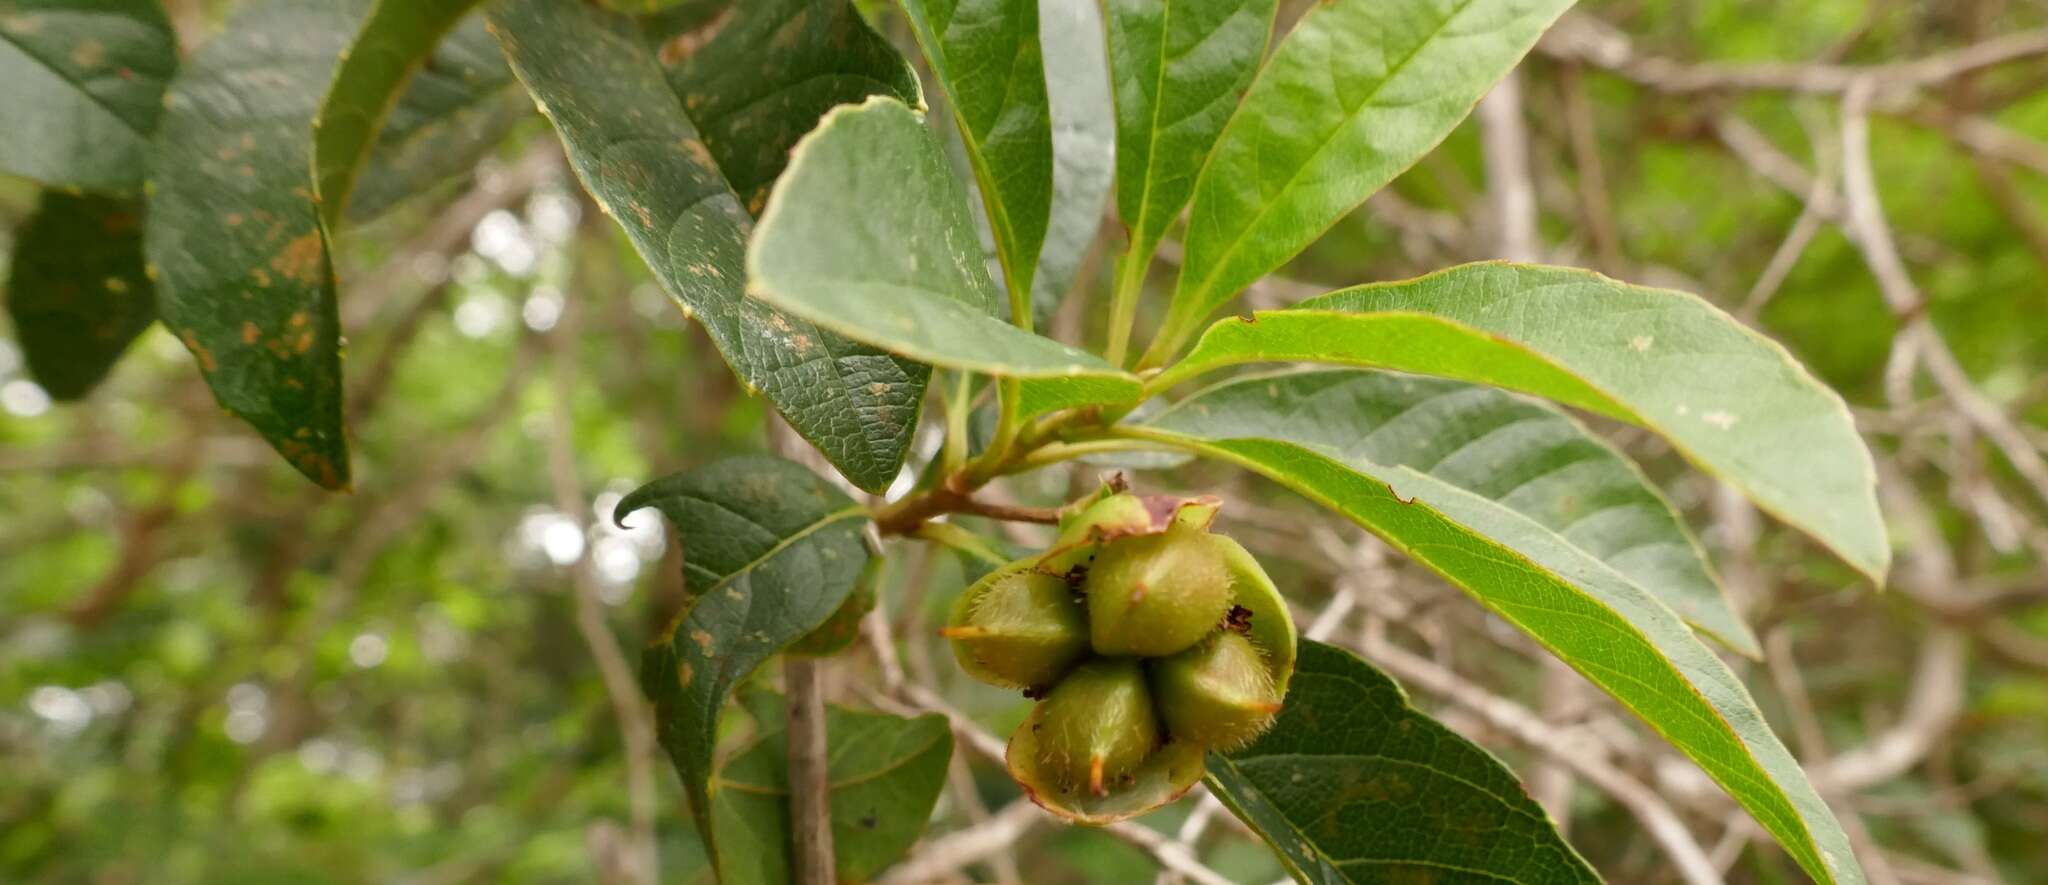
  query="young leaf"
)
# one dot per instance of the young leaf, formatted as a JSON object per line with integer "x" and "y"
{"x": 85, "y": 82}
{"x": 1181, "y": 66}
{"x": 394, "y": 42}
{"x": 77, "y": 292}
{"x": 1387, "y": 472}
{"x": 243, "y": 274}
{"x": 1354, "y": 785}
{"x": 986, "y": 56}
{"x": 457, "y": 107}
{"x": 886, "y": 772}
{"x": 638, "y": 148}
{"x": 868, "y": 235}
{"x": 770, "y": 551}
{"x": 1083, "y": 147}
{"x": 1355, "y": 94}
{"x": 1731, "y": 400}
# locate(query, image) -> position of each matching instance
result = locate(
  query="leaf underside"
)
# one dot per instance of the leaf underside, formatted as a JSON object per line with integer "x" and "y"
{"x": 1734, "y": 402}
{"x": 1519, "y": 454}
{"x": 395, "y": 41}
{"x": 869, "y": 235}
{"x": 1593, "y": 617}
{"x": 457, "y": 107}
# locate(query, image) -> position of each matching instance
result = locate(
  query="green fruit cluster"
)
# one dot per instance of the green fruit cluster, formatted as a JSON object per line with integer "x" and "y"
{"x": 1148, "y": 641}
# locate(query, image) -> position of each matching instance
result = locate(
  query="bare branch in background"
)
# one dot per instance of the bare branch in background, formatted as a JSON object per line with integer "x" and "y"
{"x": 1590, "y": 41}
{"x": 636, "y": 721}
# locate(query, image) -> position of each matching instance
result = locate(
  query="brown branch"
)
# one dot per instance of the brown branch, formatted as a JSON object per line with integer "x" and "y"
{"x": 1600, "y": 45}
{"x": 953, "y": 496}
{"x": 810, "y": 778}
{"x": 638, "y": 858}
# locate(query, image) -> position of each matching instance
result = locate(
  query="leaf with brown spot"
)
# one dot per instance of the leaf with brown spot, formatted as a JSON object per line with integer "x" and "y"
{"x": 672, "y": 173}
{"x": 205, "y": 265}
{"x": 770, "y": 551}
{"x": 77, "y": 291}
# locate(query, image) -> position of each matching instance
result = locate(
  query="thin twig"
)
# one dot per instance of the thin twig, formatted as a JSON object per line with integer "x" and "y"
{"x": 1873, "y": 237}
{"x": 810, "y": 777}
{"x": 636, "y": 724}
{"x": 1589, "y": 41}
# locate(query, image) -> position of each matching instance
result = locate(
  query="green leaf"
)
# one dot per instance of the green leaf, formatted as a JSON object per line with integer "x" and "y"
{"x": 1181, "y": 66}
{"x": 638, "y": 146}
{"x": 986, "y": 56}
{"x": 77, "y": 292}
{"x": 770, "y": 550}
{"x": 1083, "y": 145}
{"x": 394, "y": 42}
{"x": 457, "y": 107}
{"x": 766, "y": 73}
{"x": 885, "y": 772}
{"x": 85, "y": 82}
{"x": 1354, "y": 785}
{"x": 1592, "y": 616}
{"x": 1358, "y": 92}
{"x": 243, "y": 274}
{"x": 868, "y": 235}
{"x": 1731, "y": 400}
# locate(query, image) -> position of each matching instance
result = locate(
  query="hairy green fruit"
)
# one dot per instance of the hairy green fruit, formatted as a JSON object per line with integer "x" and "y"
{"x": 1018, "y": 627}
{"x": 1218, "y": 694}
{"x": 1087, "y": 524}
{"x": 1096, "y": 726}
{"x": 1154, "y": 595}
{"x": 1266, "y": 619}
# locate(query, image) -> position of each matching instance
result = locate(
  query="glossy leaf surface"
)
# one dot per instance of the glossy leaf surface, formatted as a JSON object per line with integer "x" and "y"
{"x": 770, "y": 550}
{"x": 1357, "y": 92}
{"x": 1181, "y": 66}
{"x": 986, "y": 54}
{"x": 1354, "y": 785}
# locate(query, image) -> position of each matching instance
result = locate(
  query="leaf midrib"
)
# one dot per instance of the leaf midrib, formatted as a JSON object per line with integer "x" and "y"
{"x": 667, "y": 636}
